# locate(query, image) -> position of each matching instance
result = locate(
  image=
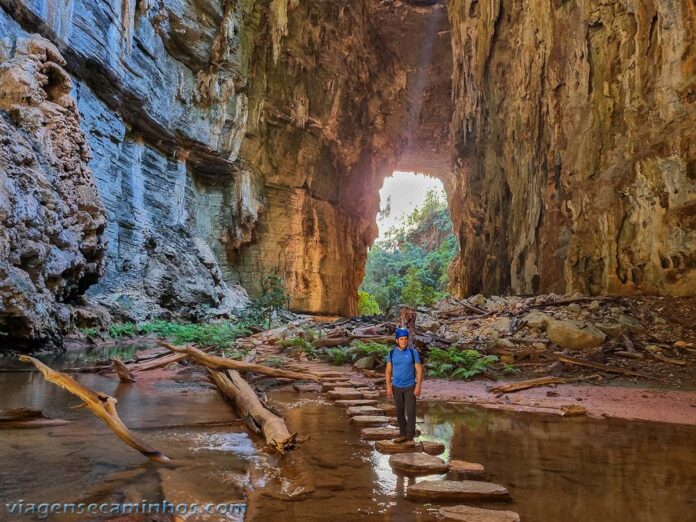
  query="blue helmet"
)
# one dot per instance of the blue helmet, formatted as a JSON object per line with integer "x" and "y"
{"x": 401, "y": 332}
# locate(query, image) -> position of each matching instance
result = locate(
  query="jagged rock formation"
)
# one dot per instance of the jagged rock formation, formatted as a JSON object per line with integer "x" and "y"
{"x": 52, "y": 236}
{"x": 573, "y": 136}
{"x": 233, "y": 139}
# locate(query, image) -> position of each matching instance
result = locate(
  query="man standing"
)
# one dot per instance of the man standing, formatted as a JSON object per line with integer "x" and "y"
{"x": 404, "y": 377}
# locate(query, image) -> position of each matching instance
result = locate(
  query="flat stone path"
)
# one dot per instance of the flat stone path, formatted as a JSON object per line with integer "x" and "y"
{"x": 381, "y": 433}
{"x": 429, "y": 490}
{"x": 356, "y": 402}
{"x": 369, "y": 420}
{"x": 473, "y": 514}
{"x": 345, "y": 393}
{"x": 364, "y": 410}
{"x": 418, "y": 464}
{"x": 462, "y": 467}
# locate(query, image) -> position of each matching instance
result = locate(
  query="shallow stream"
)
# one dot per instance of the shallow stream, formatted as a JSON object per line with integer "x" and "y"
{"x": 557, "y": 469}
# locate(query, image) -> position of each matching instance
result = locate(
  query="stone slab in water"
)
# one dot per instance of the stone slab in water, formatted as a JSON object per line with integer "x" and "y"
{"x": 463, "y": 490}
{"x": 345, "y": 393}
{"x": 466, "y": 468}
{"x": 369, "y": 420}
{"x": 382, "y": 433}
{"x": 364, "y": 410}
{"x": 389, "y": 447}
{"x": 389, "y": 409}
{"x": 418, "y": 464}
{"x": 355, "y": 402}
{"x": 327, "y": 386}
{"x": 432, "y": 448}
{"x": 371, "y": 394}
{"x": 473, "y": 514}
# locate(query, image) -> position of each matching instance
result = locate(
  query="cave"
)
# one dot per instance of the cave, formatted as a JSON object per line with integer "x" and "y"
{"x": 215, "y": 142}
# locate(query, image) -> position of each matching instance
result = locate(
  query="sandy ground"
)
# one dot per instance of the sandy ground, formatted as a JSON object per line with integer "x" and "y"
{"x": 678, "y": 407}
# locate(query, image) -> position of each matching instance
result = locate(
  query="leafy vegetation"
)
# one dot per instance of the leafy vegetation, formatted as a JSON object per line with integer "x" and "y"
{"x": 365, "y": 349}
{"x": 273, "y": 299}
{"x": 410, "y": 265}
{"x": 219, "y": 335}
{"x": 302, "y": 342}
{"x": 458, "y": 364}
{"x": 367, "y": 304}
{"x": 90, "y": 332}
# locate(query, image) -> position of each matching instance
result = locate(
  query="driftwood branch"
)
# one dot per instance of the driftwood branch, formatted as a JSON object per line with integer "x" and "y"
{"x": 256, "y": 416}
{"x": 101, "y": 404}
{"x": 598, "y": 366}
{"x": 533, "y": 383}
{"x": 122, "y": 370}
{"x": 215, "y": 362}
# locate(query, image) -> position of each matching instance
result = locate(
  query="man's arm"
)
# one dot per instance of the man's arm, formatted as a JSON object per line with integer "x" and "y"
{"x": 419, "y": 379}
{"x": 387, "y": 379}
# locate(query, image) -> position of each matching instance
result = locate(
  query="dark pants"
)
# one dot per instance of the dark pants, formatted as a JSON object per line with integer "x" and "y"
{"x": 405, "y": 401}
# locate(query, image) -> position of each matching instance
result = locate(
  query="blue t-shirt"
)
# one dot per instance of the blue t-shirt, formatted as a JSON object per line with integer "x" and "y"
{"x": 403, "y": 371}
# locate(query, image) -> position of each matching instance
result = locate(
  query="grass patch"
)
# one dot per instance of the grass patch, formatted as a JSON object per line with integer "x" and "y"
{"x": 456, "y": 364}
{"x": 90, "y": 332}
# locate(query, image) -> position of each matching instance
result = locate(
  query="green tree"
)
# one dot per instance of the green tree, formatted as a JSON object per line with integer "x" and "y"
{"x": 367, "y": 304}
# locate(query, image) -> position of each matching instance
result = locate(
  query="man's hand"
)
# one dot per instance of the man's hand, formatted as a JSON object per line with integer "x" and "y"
{"x": 417, "y": 390}
{"x": 390, "y": 392}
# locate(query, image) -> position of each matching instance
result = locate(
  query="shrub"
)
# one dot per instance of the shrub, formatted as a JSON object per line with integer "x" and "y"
{"x": 220, "y": 335}
{"x": 337, "y": 356}
{"x": 273, "y": 299}
{"x": 364, "y": 349}
{"x": 367, "y": 304}
{"x": 456, "y": 364}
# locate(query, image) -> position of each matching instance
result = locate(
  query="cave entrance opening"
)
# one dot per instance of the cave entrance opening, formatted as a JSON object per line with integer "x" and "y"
{"x": 408, "y": 262}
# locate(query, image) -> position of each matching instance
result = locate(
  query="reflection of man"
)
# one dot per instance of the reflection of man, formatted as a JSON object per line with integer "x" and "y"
{"x": 404, "y": 377}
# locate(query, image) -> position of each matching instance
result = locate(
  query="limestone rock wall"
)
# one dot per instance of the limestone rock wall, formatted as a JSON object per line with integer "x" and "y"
{"x": 52, "y": 240}
{"x": 574, "y": 146}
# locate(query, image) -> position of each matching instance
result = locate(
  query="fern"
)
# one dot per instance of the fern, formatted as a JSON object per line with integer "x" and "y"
{"x": 456, "y": 364}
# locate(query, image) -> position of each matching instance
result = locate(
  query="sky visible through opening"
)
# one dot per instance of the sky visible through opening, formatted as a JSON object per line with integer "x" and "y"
{"x": 407, "y": 191}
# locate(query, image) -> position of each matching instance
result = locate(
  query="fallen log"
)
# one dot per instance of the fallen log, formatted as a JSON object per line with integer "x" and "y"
{"x": 534, "y": 383}
{"x": 598, "y": 366}
{"x": 329, "y": 342}
{"x": 99, "y": 403}
{"x": 22, "y": 418}
{"x": 122, "y": 370}
{"x": 256, "y": 417}
{"x": 215, "y": 362}
{"x": 657, "y": 355}
{"x": 159, "y": 362}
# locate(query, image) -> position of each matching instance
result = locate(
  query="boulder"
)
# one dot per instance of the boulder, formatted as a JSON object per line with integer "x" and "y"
{"x": 574, "y": 335}
{"x": 418, "y": 464}
{"x": 631, "y": 324}
{"x": 502, "y": 325}
{"x": 478, "y": 300}
{"x": 463, "y": 490}
{"x": 536, "y": 319}
{"x": 365, "y": 363}
{"x": 473, "y": 514}
{"x": 614, "y": 330}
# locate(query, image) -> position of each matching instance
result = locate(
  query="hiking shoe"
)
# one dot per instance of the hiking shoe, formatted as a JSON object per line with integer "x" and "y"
{"x": 400, "y": 439}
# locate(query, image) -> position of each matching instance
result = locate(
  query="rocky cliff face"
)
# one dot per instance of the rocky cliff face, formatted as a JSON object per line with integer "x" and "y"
{"x": 231, "y": 139}
{"x": 573, "y": 136}
{"x": 52, "y": 236}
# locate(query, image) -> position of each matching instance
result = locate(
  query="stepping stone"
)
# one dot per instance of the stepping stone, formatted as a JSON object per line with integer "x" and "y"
{"x": 327, "y": 386}
{"x": 456, "y": 490}
{"x": 345, "y": 393}
{"x": 356, "y": 402}
{"x": 389, "y": 447}
{"x": 332, "y": 379}
{"x": 371, "y": 394}
{"x": 462, "y": 467}
{"x": 302, "y": 387}
{"x": 432, "y": 448}
{"x": 389, "y": 409}
{"x": 369, "y": 420}
{"x": 364, "y": 410}
{"x": 472, "y": 514}
{"x": 383, "y": 433}
{"x": 418, "y": 464}
{"x": 330, "y": 375}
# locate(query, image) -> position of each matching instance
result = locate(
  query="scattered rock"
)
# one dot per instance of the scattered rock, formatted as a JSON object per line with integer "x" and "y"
{"x": 305, "y": 387}
{"x": 574, "y": 335}
{"x": 615, "y": 331}
{"x": 573, "y": 410}
{"x": 478, "y": 300}
{"x": 456, "y": 490}
{"x": 462, "y": 467}
{"x": 536, "y": 319}
{"x": 327, "y": 386}
{"x": 418, "y": 464}
{"x": 473, "y": 514}
{"x": 631, "y": 324}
